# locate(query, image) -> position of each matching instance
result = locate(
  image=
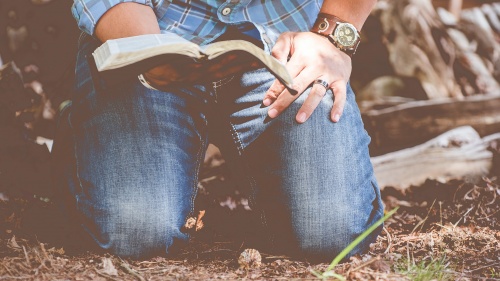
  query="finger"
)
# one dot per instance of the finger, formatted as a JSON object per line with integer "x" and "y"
{"x": 281, "y": 51}
{"x": 300, "y": 84}
{"x": 315, "y": 96}
{"x": 339, "y": 88}
{"x": 294, "y": 67}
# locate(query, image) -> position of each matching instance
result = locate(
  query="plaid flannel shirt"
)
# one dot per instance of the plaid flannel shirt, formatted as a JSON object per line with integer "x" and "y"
{"x": 202, "y": 21}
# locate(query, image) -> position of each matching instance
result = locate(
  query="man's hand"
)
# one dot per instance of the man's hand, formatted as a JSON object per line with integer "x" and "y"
{"x": 308, "y": 57}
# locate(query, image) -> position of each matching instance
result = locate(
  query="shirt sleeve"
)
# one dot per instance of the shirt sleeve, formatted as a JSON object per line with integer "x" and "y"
{"x": 88, "y": 12}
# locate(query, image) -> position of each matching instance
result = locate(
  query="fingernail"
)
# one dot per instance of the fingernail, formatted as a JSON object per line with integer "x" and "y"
{"x": 272, "y": 113}
{"x": 336, "y": 118}
{"x": 267, "y": 102}
{"x": 301, "y": 117}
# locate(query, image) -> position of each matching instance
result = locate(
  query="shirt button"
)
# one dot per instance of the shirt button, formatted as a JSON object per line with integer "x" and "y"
{"x": 226, "y": 11}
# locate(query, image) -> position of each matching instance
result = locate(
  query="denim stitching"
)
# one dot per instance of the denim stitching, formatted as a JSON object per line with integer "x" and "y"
{"x": 262, "y": 215}
{"x": 195, "y": 185}
{"x": 77, "y": 166}
{"x": 236, "y": 139}
{"x": 222, "y": 82}
{"x": 253, "y": 185}
{"x": 80, "y": 38}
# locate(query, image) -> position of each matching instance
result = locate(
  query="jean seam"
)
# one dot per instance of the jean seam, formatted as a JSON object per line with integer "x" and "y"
{"x": 262, "y": 215}
{"x": 77, "y": 166}
{"x": 236, "y": 139}
{"x": 199, "y": 159}
{"x": 80, "y": 38}
{"x": 380, "y": 209}
{"x": 222, "y": 82}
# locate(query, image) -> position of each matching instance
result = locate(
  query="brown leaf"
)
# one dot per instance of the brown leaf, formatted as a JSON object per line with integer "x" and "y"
{"x": 13, "y": 243}
{"x": 380, "y": 266}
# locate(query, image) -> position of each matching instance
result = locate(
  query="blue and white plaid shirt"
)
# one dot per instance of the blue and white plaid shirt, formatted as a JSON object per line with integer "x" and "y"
{"x": 201, "y": 21}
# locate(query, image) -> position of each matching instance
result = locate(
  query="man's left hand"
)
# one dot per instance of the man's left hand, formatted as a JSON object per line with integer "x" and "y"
{"x": 309, "y": 57}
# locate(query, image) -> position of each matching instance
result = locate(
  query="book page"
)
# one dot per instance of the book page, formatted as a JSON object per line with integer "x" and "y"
{"x": 216, "y": 49}
{"x": 125, "y": 51}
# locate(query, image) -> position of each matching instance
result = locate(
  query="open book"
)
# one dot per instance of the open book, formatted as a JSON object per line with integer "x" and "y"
{"x": 121, "y": 59}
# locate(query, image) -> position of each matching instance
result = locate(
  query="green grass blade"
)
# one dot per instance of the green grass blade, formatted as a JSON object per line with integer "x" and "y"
{"x": 334, "y": 275}
{"x": 358, "y": 240}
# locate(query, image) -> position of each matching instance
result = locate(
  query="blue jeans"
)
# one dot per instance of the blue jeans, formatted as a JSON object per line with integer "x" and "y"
{"x": 136, "y": 154}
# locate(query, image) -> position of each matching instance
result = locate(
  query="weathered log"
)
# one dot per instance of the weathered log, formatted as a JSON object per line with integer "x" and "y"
{"x": 477, "y": 16}
{"x": 413, "y": 123}
{"x": 456, "y": 154}
{"x": 492, "y": 17}
{"x": 419, "y": 46}
{"x": 392, "y": 86}
{"x": 455, "y": 7}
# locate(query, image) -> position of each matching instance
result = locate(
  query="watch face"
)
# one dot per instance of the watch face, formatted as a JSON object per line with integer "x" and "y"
{"x": 346, "y": 35}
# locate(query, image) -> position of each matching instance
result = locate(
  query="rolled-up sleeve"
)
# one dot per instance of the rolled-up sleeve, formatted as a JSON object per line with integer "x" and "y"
{"x": 88, "y": 12}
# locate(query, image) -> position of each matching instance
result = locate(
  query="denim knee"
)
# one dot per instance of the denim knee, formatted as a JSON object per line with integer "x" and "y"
{"x": 323, "y": 245}
{"x": 335, "y": 229}
{"x": 130, "y": 230}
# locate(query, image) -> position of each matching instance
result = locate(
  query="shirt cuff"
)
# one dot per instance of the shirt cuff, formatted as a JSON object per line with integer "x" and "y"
{"x": 88, "y": 12}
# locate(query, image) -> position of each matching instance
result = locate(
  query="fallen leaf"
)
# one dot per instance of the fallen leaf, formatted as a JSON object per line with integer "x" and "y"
{"x": 108, "y": 268}
{"x": 13, "y": 243}
{"x": 380, "y": 266}
{"x": 190, "y": 223}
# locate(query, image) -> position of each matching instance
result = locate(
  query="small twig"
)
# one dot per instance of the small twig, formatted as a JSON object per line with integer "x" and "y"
{"x": 491, "y": 214}
{"x": 465, "y": 214}
{"x": 389, "y": 240}
{"x": 422, "y": 222}
{"x": 440, "y": 212}
{"x": 162, "y": 269}
{"x": 482, "y": 267}
{"x": 42, "y": 246}
{"x": 363, "y": 265}
{"x": 26, "y": 256}
{"x": 408, "y": 254}
{"x": 276, "y": 257}
{"x": 105, "y": 275}
{"x": 131, "y": 271}
{"x": 15, "y": 277}
{"x": 8, "y": 270}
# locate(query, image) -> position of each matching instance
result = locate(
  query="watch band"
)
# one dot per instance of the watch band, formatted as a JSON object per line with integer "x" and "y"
{"x": 325, "y": 25}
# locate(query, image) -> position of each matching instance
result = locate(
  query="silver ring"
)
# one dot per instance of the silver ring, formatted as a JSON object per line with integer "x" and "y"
{"x": 322, "y": 83}
{"x": 145, "y": 82}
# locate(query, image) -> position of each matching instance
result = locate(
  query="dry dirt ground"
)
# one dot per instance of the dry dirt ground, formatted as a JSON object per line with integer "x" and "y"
{"x": 442, "y": 231}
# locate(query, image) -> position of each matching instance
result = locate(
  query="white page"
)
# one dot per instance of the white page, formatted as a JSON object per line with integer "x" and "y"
{"x": 125, "y": 51}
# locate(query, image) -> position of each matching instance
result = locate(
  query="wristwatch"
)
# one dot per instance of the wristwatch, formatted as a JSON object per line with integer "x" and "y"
{"x": 341, "y": 33}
